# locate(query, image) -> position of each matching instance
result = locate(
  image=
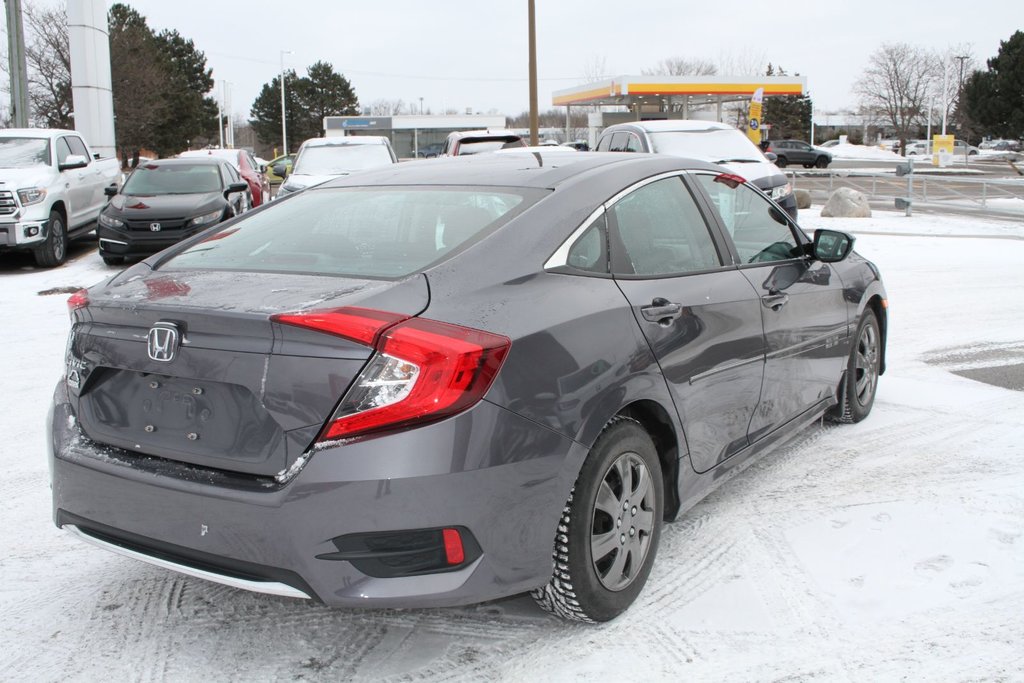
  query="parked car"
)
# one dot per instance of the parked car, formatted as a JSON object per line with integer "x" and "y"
{"x": 1000, "y": 145}
{"x": 245, "y": 164}
{"x": 461, "y": 143}
{"x": 166, "y": 201}
{"x": 960, "y": 148}
{"x": 322, "y": 159}
{"x": 283, "y": 159}
{"x": 799, "y": 152}
{"x": 829, "y": 143}
{"x": 429, "y": 151}
{"x": 51, "y": 191}
{"x": 705, "y": 140}
{"x": 442, "y": 383}
{"x": 578, "y": 145}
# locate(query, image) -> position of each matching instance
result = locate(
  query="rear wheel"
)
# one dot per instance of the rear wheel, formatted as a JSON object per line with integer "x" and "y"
{"x": 608, "y": 534}
{"x": 861, "y": 379}
{"x": 54, "y": 249}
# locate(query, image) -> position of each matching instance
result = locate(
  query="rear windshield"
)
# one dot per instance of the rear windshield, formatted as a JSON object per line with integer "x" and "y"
{"x": 337, "y": 159}
{"x": 717, "y": 145}
{"x": 480, "y": 145}
{"x": 153, "y": 179}
{"x": 373, "y": 232}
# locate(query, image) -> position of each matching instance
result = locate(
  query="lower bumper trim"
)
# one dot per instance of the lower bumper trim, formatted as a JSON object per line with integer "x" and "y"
{"x": 268, "y": 587}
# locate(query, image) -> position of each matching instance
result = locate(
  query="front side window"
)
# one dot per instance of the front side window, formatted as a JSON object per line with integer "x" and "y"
{"x": 375, "y": 232}
{"x": 662, "y": 231}
{"x": 618, "y": 143}
{"x": 77, "y": 146}
{"x": 63, "y": 150}
{"x": 760, "y": 230}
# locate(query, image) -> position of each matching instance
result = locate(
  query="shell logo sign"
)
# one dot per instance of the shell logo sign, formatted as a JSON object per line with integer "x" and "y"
{"x": 754, "y": 119}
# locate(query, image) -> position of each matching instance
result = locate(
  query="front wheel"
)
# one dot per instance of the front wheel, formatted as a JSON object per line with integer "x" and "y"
{"x": 54, "y": 249}
{"x": 781, "y": 162}
{"x": 608, "y": 534}
{"x": 857, "y": 391}
{"x": 821, "y": 162}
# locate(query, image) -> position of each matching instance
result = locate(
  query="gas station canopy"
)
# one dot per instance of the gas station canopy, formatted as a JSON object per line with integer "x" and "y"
{"x": 644, "y": 90}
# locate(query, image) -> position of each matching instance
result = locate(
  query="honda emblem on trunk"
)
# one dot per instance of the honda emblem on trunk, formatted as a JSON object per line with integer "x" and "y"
{"x": 162, "y": 342}
{"x": 155, "y": 227}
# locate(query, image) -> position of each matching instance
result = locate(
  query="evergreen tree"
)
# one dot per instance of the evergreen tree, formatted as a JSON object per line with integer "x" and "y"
{"x": 266, "y": 113}
{"x": 994, "y": 99}
{"x": 189, "y": 112}
{"x": 789, "y": 115}
{"x": 138, "y": 76}
{"x": 323, "y": 92}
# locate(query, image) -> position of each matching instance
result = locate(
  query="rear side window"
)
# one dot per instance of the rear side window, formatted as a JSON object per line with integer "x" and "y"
{"x": 379, "y": 232}
{"x": 760, "y": 231}
{"x": 589, "y": 253}
{"x": 662, "y": 231}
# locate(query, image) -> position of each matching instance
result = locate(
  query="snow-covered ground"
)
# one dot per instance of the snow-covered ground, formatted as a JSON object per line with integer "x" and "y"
{"x": 862, "y": 152}
{"x": 888, "y": 550}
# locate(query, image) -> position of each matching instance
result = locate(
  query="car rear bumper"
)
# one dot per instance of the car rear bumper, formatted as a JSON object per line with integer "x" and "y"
{"x": 501, "y": 477}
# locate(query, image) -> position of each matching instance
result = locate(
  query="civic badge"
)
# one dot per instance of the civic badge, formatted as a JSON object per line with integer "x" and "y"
{"x": 155, "y": 227}
{"x": 162, "y": 342}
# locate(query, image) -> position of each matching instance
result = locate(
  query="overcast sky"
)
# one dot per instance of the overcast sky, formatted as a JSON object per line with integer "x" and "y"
{"x": 461, "y": 54}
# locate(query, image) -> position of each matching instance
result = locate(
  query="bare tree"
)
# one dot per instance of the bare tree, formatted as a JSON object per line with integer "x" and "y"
{"x": 385, "y": 107}
{"x": 896, "y": 84}
{"x": 596, "y": 69}
{"x": 742, "y": 62}
{"x": 682, "y": 66}
{"x": 48, "y": 58}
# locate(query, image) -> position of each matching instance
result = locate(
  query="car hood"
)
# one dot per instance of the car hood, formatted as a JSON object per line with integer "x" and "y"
{"x": 31, "y": 176}
{"x": 300, "y": 181}
{"x": 145, "y": 207}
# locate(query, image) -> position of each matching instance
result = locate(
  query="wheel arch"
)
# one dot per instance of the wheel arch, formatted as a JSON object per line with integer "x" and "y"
{"x": 62, "y": 209}
{"x": 878, "y": 304}
{"x": 658, "y": 424}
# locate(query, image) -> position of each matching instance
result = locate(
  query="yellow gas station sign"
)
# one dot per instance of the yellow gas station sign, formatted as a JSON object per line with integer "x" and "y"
{"x": 942, "y": 150}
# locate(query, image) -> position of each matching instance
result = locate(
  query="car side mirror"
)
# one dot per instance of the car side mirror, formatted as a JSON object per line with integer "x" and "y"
{"x": 831, "y": 246}
{"x": 110, "y": 190}
{"x": 280, "y": 169}
{"x": 235, "y": 187}
{"x": 771, "y": 156}
{"x": 72, "y": 162}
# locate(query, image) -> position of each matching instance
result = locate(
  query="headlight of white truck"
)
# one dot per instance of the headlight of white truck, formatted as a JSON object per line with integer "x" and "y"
{"x": 31, "y": 195}
{"x": 782, "y": 191}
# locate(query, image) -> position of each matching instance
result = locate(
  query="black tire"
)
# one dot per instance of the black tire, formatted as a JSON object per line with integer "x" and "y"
{"x": 821, "y": 162}
{"x": 781, "y": 162}
{"x": 586, "y": 589}
{"x": 860, "y": 381}
{"x": 112, "y": 260}
{"x": 54, "y": 249}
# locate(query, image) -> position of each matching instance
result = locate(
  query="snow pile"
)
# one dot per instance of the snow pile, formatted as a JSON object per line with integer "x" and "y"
{"x": 862, "y": 152}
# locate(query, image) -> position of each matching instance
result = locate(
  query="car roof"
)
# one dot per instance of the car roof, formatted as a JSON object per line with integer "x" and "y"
{"x": 540, "y": 169}
{"x": 222, "y": 153}
{"x": 188, "y": 161}
{"x": 681, "y": 125}
{"x": 346, "y": 140}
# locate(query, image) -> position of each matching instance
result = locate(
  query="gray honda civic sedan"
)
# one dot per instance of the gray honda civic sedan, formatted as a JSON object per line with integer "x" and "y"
{"x": 445, "y": 382}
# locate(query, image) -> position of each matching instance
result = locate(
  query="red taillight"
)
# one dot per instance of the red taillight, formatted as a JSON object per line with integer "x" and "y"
{"x": 730, "y": 179}
{"x": 423, "y": 371}
{"x": 79, "y": 299}
{"x": 362, "y": 325}
{"x": 453, "y": 550}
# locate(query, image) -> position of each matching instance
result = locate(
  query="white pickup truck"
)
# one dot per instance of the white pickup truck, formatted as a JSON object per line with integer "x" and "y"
{"x": 52, "y": 188}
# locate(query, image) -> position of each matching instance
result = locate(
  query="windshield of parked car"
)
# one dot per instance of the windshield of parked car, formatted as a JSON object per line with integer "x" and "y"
{"x": 478, "y": 146}
{"x": 374, "y": 232}
{"x": 24, "y": 152}
{"x": 717, "y": 145}
{"x": 336, "y": 159}
{"x": 151, "y": 179}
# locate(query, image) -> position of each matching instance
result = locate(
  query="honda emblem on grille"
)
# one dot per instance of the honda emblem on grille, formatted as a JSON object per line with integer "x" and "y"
{"x": 162, "y": 342}
{"x": 155, "y": 227}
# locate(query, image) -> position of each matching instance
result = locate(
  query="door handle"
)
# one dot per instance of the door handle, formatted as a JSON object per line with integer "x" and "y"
{"x": 775, "y": 301}
{"x": 661, "y": 311}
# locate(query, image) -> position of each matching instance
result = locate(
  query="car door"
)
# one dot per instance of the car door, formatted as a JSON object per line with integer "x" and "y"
{"x": 803, "y": 153}
{"x": 699, "y": 314}
{"x": 92, "y": 176}
{"x": 78, "y": 190}
{"x": 802, "y": 307}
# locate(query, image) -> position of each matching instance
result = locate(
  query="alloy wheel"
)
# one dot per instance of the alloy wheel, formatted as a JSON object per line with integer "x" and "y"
{"x": 867, "y": 364}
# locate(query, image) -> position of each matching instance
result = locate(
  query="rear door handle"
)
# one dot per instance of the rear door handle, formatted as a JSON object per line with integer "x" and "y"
{"x": 661, "y": 311}
{"x": 775, "y": 301}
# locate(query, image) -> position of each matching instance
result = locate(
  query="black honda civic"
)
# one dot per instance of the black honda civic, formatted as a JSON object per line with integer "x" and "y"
{"x": 165, "y": 201}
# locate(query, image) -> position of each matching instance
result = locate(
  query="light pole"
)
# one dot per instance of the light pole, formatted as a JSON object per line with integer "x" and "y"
{"x": 531, "y": 17}
{"x": 284, "y": 125}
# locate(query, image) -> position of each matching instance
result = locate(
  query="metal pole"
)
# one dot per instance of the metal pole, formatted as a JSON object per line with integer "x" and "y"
{"x": 284, "y": 124}
{"x": 533, "y": 72}
{"x": 16, "y": 59}
{"x": 421, "y": 106}
{"x": 945, "y": 91}
{"x": 220, "y": 123}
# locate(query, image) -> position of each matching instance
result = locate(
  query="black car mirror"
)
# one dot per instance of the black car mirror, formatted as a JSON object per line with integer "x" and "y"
{"x": 235, "y": 187}
{"x": 280, "y": 169}
{"x": 831, "y": 246}
{"x": 110, "y": 191}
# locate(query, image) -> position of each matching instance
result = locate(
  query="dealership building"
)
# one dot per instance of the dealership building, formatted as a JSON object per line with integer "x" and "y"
{"x": 414, "y": 135}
